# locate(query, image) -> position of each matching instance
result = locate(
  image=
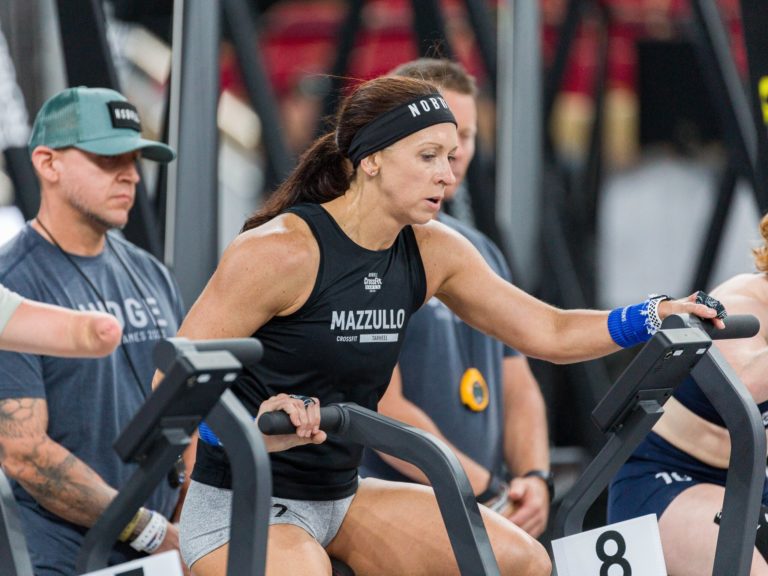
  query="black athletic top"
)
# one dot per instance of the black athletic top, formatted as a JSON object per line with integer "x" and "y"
{"x": 340, "y": 346}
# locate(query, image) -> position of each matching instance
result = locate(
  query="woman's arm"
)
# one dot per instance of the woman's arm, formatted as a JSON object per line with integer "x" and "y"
{"x": 265, "y": 272}
{"x": 458, "y": 275}
{"x": 269, "y": 271}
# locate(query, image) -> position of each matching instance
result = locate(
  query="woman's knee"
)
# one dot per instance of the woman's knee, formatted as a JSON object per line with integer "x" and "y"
{"x": 526, "y": 558}
{"x": 292, "y": 550}
{"x": 517, "y": 553}
{"x": 541, "y": 565}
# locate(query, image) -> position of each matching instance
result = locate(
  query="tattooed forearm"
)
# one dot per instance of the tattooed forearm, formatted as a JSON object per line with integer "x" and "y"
{"x": 51, "y": 474}
{"x": 17, "y": 414}
{"x": 65, "y": 485}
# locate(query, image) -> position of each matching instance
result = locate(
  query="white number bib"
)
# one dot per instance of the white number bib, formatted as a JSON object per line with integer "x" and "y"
{"x": 629, "y": 548}
{"x": 165, "y": 564}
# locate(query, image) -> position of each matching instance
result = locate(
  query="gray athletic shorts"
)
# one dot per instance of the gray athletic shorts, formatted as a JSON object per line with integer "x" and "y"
{"x": 205, "y": 519}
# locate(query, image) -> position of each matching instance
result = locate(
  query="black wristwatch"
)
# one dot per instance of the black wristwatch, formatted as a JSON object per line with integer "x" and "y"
{"x": 548, "y": 478}
{"x": 495, "y": 487}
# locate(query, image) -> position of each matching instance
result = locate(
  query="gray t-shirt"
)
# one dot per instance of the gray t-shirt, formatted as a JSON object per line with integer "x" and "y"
{"x": 9, "y": 301}
{"x": 437, "y": 350}
{"x": 89, "y": 401}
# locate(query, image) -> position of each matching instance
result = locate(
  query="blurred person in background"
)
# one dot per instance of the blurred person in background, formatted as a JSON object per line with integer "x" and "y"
{"x": 679, "y": 471}
{"x": 59, "y": 417}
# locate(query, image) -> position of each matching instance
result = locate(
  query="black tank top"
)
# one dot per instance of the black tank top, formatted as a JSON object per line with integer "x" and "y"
{"x": 340, "y": 346}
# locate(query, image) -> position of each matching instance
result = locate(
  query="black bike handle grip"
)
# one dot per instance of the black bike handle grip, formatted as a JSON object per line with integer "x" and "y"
{"x": 736, "y": 325}
{"x": 278, "y": 422}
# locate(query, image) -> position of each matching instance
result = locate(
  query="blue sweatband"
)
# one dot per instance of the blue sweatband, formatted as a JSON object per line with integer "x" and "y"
{"x": 207, "y": 435}
{"x": 628, "y": 326}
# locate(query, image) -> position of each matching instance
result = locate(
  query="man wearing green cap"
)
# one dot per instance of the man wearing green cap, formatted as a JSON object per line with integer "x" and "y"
{"x": 59, "y": 417}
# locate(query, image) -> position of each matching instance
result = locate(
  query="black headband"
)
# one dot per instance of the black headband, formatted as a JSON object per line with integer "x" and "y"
{"x": 398, "y": 123}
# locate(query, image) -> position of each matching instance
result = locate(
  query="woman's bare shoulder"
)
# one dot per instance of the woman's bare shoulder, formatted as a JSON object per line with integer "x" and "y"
{"x": 275, "y": 264}
{"x": 745, "y": 294}
{"x": 748, "y": 285}
{"x": 284, "y": 243}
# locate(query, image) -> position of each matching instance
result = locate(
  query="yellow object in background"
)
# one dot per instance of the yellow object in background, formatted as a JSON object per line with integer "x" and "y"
{"x": 474, "y": 390}
{"x": 762, "y": 90}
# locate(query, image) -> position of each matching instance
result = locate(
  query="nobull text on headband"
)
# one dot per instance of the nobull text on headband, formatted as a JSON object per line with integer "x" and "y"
{"x": 398, "y": 123}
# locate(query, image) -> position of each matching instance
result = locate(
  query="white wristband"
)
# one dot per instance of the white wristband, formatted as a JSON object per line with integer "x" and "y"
{"x": 653, "y": 322}
{"x": 499, "y": 504}
{"x": 152, "y": 536}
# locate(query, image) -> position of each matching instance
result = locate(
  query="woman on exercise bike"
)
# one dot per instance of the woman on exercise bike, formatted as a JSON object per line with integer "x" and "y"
{"x": 679, "y": 471}
{"x": 327, "y": 275}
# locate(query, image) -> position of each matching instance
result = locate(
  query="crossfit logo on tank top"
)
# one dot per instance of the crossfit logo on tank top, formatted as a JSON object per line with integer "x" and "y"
{"x": 374, "y": 324}
{"x": 765, "y": 419}
{"x": 372, "y": 282}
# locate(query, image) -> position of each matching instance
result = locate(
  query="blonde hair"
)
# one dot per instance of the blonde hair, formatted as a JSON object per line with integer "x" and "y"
{"x": 760, "y": 253}
{"x": 443, "y": 73}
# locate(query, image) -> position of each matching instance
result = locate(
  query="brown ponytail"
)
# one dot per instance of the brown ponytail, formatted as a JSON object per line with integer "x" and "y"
{"x": 324, "y": 172}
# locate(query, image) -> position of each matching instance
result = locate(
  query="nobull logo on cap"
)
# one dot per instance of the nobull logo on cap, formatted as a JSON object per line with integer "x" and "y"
{"x": 427, "y": 105}
{"x": 124, "y": 115}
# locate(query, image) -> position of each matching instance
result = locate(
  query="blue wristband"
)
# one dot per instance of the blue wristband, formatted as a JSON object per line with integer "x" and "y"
{"x": 628, "y": 326}
{"x": 207, "y": 435}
